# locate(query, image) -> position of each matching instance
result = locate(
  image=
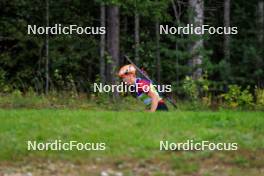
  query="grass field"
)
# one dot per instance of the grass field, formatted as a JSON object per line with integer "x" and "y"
{"x": 132, "y": 142}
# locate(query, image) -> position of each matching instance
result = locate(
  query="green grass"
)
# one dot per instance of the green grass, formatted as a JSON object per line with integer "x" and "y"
{"x": 134, "y": 135}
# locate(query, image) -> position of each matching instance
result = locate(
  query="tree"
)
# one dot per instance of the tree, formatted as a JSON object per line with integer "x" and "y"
{"x": 158, "y": 64}
{"x": 47, "y": 50}
{"x": 177, "y": 15}
{"x": 260, "y": 35}
{"x": 102, "y": 45}
{"x": 113, "y": 41}
{"x": 197, "y": 18}
{"x": 137, "y": 40}
{"x": 227, "y": 24}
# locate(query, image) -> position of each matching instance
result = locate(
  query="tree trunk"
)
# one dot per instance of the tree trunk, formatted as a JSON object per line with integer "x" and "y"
{"x": 260, "y": 35}
{"x": 137, "y": 38}
{"x": 227, "y": 24}
{"x": 158, "y": 52}
{"x": 47, "y": 51}
{"x": 197, "y": 18}
{"x": 261, "y": 22}
{"x": 177, "y": 14}
{"x": 102, "y": 45}
{"x": 113, "y": 33}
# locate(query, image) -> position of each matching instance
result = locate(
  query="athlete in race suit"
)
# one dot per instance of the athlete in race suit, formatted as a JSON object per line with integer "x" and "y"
{"x": 145, "y": 90}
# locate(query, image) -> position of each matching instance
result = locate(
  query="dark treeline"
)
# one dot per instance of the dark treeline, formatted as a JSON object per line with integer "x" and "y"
{"x": 66, "y": 62}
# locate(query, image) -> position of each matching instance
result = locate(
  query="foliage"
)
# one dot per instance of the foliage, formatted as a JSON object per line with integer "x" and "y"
{"x": 259, "y": 93}
{"x": 74, "y": 59}
{"x": 236, "y": 97}
{"x": 194, "y": 88}
{"x": 3, "y": 86}
{"x": 190, "y": 87}
{"x": 198, "y": 91}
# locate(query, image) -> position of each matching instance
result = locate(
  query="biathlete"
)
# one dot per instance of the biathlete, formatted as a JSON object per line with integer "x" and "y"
{"x": 145, "y": 90}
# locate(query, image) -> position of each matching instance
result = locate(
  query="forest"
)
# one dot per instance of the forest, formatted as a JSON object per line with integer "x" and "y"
{"x": 216, "y": 68}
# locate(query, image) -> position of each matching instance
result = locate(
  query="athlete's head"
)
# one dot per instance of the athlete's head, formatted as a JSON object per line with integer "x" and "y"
{"x": 128, "y": 73}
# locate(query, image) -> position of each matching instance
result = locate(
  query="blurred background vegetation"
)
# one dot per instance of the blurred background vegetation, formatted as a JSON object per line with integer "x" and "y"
{"x": 210, "y": 71}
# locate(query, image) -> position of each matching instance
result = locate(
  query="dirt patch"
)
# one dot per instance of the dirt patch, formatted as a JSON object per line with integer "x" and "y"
{"x": 243, "y": 163}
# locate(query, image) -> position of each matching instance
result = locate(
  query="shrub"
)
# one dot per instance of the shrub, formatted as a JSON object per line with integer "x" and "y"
{"x": 4, "y": 88}
{"x": 190, "y": 88}
{"x": 235, "y": 97}
{"x": 16, "y": 94}
{"x": 259, "y": 93}
{"x": 197, "y": 91}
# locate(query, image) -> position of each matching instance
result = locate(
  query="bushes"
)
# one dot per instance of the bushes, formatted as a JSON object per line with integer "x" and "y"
{"x": 259, "y": 93}
{"x": 236, "y": 97}
{"x": 200, "y": 97}
{"x": 3, "y": 86}
{"x": 197, "y": 91}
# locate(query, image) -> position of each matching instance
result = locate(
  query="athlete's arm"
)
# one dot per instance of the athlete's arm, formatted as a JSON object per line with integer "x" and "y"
{"x": 155, "y": 101}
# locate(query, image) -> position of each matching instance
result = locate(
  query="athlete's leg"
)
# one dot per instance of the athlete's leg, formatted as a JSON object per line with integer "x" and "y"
{"x": 162, "y": 107}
